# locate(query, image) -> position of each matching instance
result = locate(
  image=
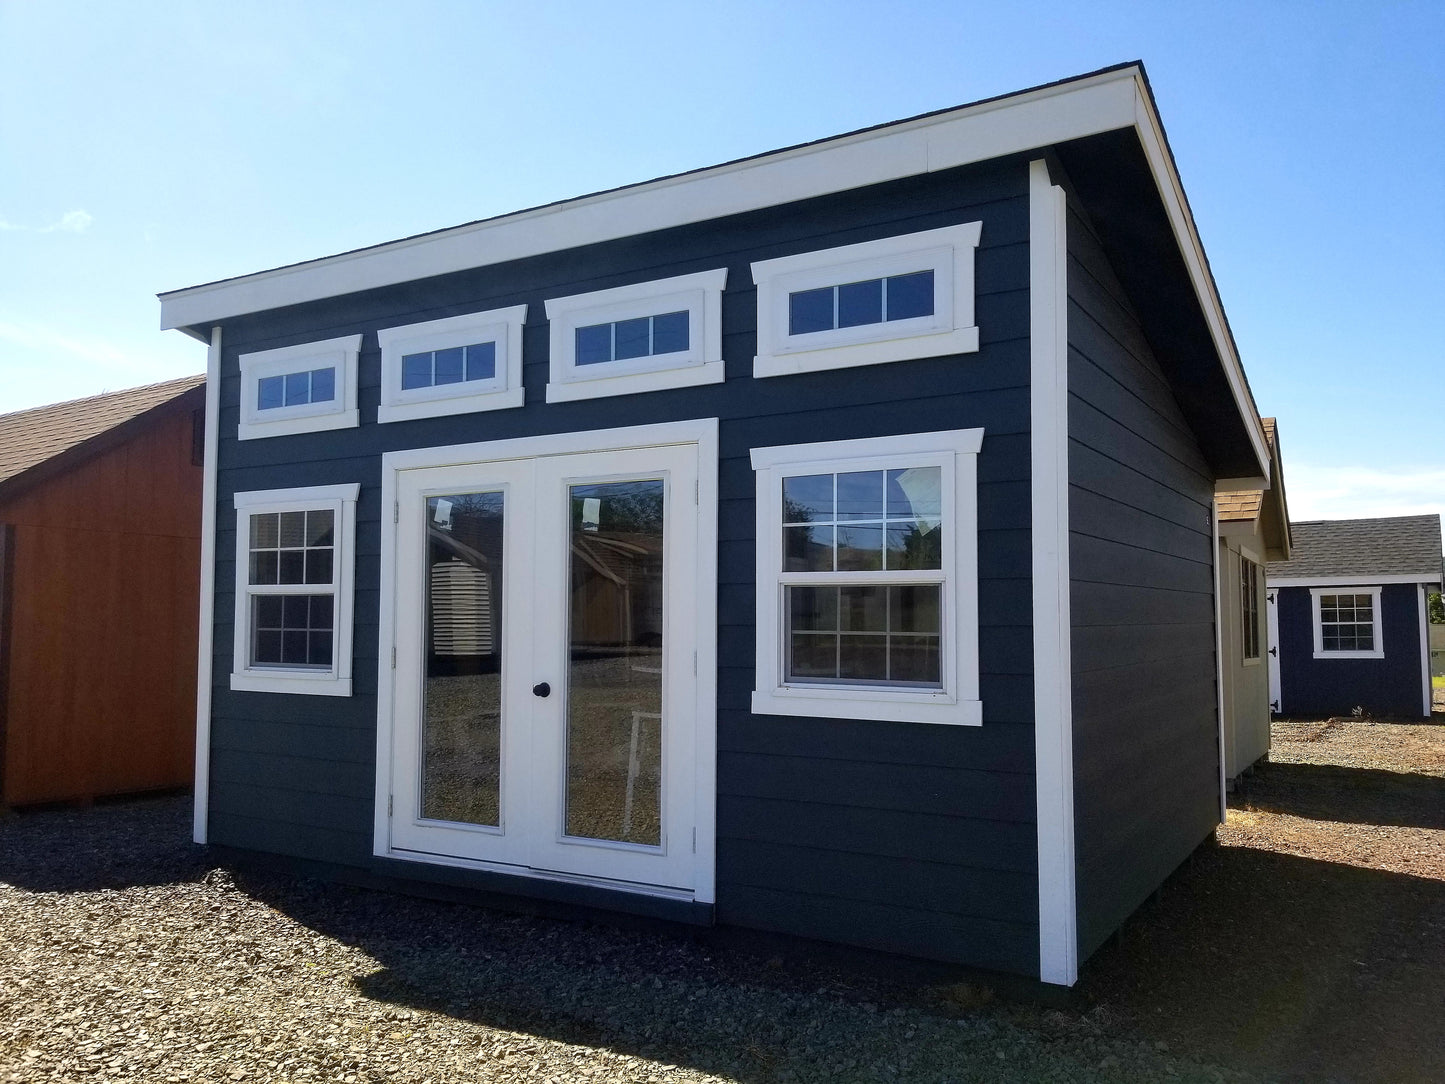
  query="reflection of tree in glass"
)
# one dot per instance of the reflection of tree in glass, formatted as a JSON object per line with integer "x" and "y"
{"x": 795, "y": 512}
{"x": 626, "y": 507}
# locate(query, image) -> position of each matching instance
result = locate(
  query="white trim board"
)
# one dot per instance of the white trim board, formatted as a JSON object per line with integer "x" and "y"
{"x": 1053, "y": 659}
{"x": 1425, "y": 650}
{"x": 1350, "y": 581}
{"x": 201, "y": 785}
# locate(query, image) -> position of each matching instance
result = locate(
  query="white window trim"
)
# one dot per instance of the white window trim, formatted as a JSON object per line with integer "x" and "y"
{"x": 699, "y": 294}
{"x": 335, "y": 681}
{"x": 340, "y": 413}
{"x": 1374, "y": 593}
{"x": 957, "y": 702}
{"x": 948, "y": 252}
{"x": 1251, "y": 660}
{"x": 503, "y": 390}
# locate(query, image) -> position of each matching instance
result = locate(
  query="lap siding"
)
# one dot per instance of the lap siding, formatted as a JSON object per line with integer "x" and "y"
{"x": 1146, "y": 768}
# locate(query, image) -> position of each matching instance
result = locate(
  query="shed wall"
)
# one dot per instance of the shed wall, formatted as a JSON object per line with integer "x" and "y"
{"x": 906, "y": 837}
{"x": 1146, "y": 754}
{"x": 102, "y": 644}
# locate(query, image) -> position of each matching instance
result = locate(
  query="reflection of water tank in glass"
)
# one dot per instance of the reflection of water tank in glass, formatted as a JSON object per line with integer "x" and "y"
{"x": 461, "y": 605}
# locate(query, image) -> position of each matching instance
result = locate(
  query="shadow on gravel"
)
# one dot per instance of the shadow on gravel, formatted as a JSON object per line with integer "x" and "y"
{"x": 1289, "y": 967}
{"x": 121, "y": 844}
{"x": 1331, "y": 792}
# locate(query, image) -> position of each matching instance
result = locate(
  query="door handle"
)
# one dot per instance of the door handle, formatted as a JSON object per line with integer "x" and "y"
{"x": 541, "y": 689}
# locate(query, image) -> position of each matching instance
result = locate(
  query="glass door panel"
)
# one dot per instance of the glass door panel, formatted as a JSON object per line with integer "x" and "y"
{"x": 614, "y": 714}
{"x": 462, "y": 686}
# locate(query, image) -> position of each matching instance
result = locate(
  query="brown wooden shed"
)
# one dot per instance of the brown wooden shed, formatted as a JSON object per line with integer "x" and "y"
{"x": 100, "y": 519}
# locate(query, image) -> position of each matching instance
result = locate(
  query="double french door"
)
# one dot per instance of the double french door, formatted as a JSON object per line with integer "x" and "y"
{"x": 544, "y": 695}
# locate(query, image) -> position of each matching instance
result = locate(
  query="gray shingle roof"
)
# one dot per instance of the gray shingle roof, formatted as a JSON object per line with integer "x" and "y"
{"x": 1396, "y": 546}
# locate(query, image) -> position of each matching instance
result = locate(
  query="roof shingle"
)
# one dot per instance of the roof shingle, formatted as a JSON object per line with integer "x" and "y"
{"x": 1393, "y": 546}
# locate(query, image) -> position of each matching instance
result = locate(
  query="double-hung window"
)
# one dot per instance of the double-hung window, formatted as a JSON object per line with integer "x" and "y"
{"x": 454, "y": 365}
{"x": 877, "y": 301}
{"x": 1249, "y": 608}
{"x": 294, "y": 585}
{"x": 310, "y": 387}
{"x": 646, "y": 337}
{"x": 867, "y": 579}
{"x": 1347, "y": 623}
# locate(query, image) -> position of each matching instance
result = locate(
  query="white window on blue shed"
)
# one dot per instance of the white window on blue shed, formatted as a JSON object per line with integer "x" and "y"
{"x": 867, "y": 579}
{"x": 310, "y": 387}
{"x": 294, "y": 586}
{"x": 453, "y": 365}
{"x": 893, "y": 299}
{"x": 645, "y": 337}
{"x": 1347, "y": 623}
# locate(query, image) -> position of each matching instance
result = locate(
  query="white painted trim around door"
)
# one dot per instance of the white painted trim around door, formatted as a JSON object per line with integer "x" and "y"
{"x": 1053, "y": 660}
{"x": 201, "y": 785}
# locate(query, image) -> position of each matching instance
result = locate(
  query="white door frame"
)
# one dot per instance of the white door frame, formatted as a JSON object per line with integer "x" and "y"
{"x": 699, "y": 433}
{"x": 1271, "y": 609}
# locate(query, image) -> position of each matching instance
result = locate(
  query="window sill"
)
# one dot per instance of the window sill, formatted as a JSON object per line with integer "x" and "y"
{"x": 310, "y": 684}
{"x": 441, "y": 406}
{"x": 691, "y": 376}
{"x": 871, "y": 704}
{"x": 305, "y": 423}
{"x": 936, "y": 344}
{"x": 1350, "y": 654}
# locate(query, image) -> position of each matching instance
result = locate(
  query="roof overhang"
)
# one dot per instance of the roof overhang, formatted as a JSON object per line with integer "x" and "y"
{"x": 1363, "y": 580}
{"x": 1114, "y": 101}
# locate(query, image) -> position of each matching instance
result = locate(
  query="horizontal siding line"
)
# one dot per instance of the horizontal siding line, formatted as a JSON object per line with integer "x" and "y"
{"x": 721, "y": 793}
{"x": 1074, "y": 533}
{"x": 1149, "y": 364}
{"x": 1144, "y": 587}
{"x": 1029, "y": 873}
{"x": 365, "y": 836}
{"x": 241, "y": 750}
{"x": 887, "y": 906}
{"x": 1164, "y": 452}
{"x": 1184, "y": 434}
{"x": 1113, "y": 499}
{"x": 817, "y": 757}
{"x": 1162, "y": 660}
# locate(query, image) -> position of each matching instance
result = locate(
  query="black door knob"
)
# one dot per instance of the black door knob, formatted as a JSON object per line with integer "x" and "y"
{"x": 541, "y": 689}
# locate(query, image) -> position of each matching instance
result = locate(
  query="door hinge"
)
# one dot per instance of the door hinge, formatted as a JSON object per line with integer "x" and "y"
{"x": 694, "y": 664}
{"x": 393, "y": 658}
{"x": 389, "y": 801}
{"x": 396, "y": 511}
{"x": 696, "y": 484}
{"x": 694, "y": 840}
{"x": 1274, "y": 651}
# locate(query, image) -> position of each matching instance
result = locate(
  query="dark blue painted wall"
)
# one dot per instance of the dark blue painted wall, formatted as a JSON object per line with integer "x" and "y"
{"x": 1392, "y": 687}
{"x": 907, "y": 837}
{"x": 1146, "y": 738}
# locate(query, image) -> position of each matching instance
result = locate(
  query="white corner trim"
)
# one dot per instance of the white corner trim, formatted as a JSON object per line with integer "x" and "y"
{"x": 340, "y": 412}
{"x": 1053, "y": 660}
{"x": 201, "y": 785}
{"x": 1221, "y": 744}
{"x": 335, "y": 681}
{"x": 1349, "y": 581}
{"x": 699, "y": 295}
{"x": 948, "y": 252}
{"x": 957, "y": 701}
{"x": 1377, "y": 620}
{"x": 502, "y": 327}
{"x": 1425, "y": 651}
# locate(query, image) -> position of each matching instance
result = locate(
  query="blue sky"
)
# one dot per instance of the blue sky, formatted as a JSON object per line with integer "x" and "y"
{"x": 150, "y": 146}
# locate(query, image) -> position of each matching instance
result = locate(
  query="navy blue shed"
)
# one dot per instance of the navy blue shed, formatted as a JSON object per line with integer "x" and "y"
{"x": 1348, "y": 618}
{"x": 820, "y": 543}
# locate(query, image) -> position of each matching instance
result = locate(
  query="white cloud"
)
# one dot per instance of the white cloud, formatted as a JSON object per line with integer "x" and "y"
{"x": 76, "y": 221}
{"x": 1316, "y": 492}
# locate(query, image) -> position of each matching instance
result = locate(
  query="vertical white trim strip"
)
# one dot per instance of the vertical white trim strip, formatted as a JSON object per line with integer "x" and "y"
{"x": 1219, "y": 658}
{"x": 1053, "y": 666}
{"x": 201, "y": 787}
{"x": 1425, "y": 646}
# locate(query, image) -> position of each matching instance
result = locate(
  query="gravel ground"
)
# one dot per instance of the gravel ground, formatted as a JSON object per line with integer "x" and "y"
{"x": 1306, "y": 943}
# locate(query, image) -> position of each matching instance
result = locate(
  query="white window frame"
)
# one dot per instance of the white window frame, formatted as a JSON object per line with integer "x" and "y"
{"x": 948, "y": 252}
{"x": 335, "y": 681}
{"x": 503, "y": 390}
{"x": 957, "y": 702}
{"x": 340, "y": 413}
{"x": 1374, "y": 592}
{"x": 1246, "y": 561}
{"x": 700, "y": 295}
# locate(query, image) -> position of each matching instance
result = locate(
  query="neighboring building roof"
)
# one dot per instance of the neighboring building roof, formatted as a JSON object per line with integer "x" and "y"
{"x": 1246, "y": 503}
{"x": 29, "y": 438}
{"x": 1364, "y": 550}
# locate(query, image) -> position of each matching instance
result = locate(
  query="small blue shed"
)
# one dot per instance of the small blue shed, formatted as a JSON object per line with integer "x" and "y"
{"x": 1348, "y": 625}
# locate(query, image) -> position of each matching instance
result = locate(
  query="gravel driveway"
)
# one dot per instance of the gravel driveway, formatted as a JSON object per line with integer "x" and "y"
{"x": 127, "y": 956}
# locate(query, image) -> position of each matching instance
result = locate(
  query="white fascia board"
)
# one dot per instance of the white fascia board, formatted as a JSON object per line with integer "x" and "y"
{"x": 1351, "y": 581}
{"x": 972, "y": 133}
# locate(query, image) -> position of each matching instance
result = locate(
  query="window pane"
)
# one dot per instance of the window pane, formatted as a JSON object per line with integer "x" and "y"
{"x": 860, "y": 303}
{"x": 594, "y": 344}
{"x": 910, "y": 296}
{"x": 318, "y": 649}
{"x": 808, "y": 498}
{"x": 415, "y": 371}
{"x": 293, "y": 529}
{"x": 915, "y": 493}
{"x": 915, "y": 659}
{"x": 860, "y": 495}
{"x": 812, "y": 656}
{"x": 863, "y": 608}
{"x": 293, "y": 647}
{"x": 810, "y": 310}
{"x": 323, "y": 385}
{"x": 298, "y": 388}
{"x": 268, "y": 611}
{"x": 449, "y": 366}
{"x": 322, "y": 608}
{"x": 633, "y": 338}
{"x": 319, "y": 527}
{"x": 670, "y": 333}
{"x": 263, "y": 531}
{"x": 295, "y": 611}
{"x": 813, "y": 609}
{"x": 1364, "y": 638}
{"x": 808, "y": 549}
{"x": 318, "y": 566}
{"x": 482, "y": 361}
{"x": 860, "y": 549}
{"x": 915, "y": 546}
{"x": 292, "y": 566}
{"x": 270, "y": 392}
{"x": 291, "y": 630}
{"x": 264, "y": 567}
{"x": 266, "y": 647}
{"x": 914, "y": 609}
{"x": 863, "y": 658}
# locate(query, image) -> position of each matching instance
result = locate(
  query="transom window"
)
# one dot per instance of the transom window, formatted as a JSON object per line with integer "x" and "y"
{"x": 866, "y": 599}
{"x": 296, "y": 389}
{"x": 454, "y": 365}
{"x": 1347, "y": 623}
{"x": 293, "y": 590}
{"x": 640, "y": 338}
{"x": 1249, "y": 607}
{"x": 854, "y": 304}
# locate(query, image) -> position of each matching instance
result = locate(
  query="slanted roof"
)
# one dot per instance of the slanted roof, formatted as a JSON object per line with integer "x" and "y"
{"x": 1269, "y": 506}
{"x": 1394, "y": 549}
{"x": 1103, "y": 128}
{"x": 31, "y": 438}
